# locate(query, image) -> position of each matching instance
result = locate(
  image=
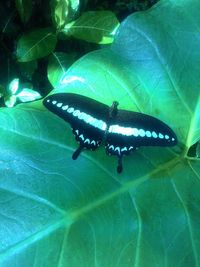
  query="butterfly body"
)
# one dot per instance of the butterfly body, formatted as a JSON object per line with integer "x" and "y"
{"x": 122, "y": 131}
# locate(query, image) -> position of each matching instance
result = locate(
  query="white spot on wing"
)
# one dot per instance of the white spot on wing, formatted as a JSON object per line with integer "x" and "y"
{"x": 148, "y": 134}
{"x": 81, "y": 137}
{"x": 117, "y": 149}
{"x": 161, "y": 136}
{"x": 76, "y": 113}
{"x": 128, "y": 131}
{"x": 93, "y": 142}
{"x": 135, "y": 132}
{"x": 70, "y": 110}
{"x": 59, "y": 105}
{"x": 100, "y": 124}
{"x": 154, "y": 134}
{"x": 91, "y": 120}
{"x": 54, "y": 102}
{"x": 104, "y": 126}
{"x": 65, "y": 107}
{"x": 141, "y": 132}
{"x": 81, "y": 116}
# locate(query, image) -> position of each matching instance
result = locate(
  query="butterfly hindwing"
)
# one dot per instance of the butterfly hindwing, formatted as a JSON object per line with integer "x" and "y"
{"x": 130, "y": 130}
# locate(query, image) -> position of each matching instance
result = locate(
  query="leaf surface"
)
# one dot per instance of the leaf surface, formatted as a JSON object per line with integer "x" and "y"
{"x": 58, "y": 64}
{"x": 36, "y": 44}
{"x": 94, "y": 26}
{"x": 60, "y": 212}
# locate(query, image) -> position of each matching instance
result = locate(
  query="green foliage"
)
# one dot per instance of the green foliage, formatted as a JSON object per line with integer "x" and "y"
{"x": 57, "y": 67}
{"x": 36, "y": 44}
{"x": 24, "y": 8}
{"x": 198, "y": 150}
{"x": 40, "y": 31}
{"x": 60, "y": 12}
{"x": 39, "y": 28}
{"x": 19, "y": 92}
{"x": 59, "y": 212}
{"x": 97, "y": 27}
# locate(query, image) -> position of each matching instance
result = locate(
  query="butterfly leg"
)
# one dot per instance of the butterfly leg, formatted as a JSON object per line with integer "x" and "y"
{"x": 77, "y": 152}
{"x": 119, "y": 166}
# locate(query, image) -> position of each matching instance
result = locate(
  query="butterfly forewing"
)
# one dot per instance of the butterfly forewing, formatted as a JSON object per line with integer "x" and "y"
{"x": 130, "y": 130}
{"x": 87, "y": 117}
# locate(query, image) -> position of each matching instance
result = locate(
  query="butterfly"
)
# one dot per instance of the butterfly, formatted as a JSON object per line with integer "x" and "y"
{"x": 121, "y": 131}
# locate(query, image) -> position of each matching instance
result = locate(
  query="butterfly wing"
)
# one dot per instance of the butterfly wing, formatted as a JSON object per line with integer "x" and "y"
{"x": 124, "y": 131}
{"x": 130, "y": 130}
{"x": 87, "y": 117}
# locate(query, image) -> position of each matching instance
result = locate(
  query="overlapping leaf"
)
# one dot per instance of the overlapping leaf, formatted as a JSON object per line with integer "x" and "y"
{"x": 36, "y": 44}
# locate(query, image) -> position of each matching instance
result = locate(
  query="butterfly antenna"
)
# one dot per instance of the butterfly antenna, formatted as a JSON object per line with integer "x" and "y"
{"x": 77, "y": 152}
{"x": 119, "y": 166}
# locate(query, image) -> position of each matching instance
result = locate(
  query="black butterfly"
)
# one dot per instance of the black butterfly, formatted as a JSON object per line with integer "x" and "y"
{"x": 122, "y": 131}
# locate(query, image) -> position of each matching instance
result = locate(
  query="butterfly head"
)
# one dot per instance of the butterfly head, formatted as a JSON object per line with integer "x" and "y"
{"x": 113, "y": 110}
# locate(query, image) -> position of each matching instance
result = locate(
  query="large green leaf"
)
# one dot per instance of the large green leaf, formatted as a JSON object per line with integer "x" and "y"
{"x": 94, "y": 26}
{"x": 59, "y": 212}
{"x": 58, "y": 64}
{"x": 36, "y": 44}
